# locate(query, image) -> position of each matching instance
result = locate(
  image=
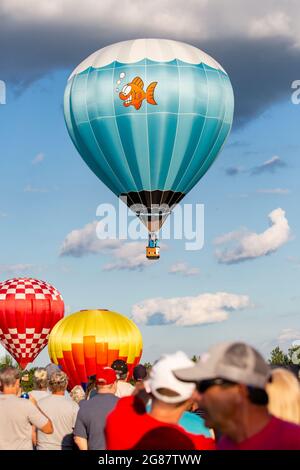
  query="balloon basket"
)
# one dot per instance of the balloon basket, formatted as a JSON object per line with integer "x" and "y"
{"x": 152, "y": 253}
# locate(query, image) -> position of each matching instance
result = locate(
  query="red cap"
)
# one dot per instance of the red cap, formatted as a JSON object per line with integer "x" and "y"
{"x": 106, "y": 376}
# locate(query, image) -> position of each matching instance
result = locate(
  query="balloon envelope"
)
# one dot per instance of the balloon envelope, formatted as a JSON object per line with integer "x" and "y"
{"x": 149, "y": 117}
{"x": 29, "y": 309}
{"x": 86, "y": 340}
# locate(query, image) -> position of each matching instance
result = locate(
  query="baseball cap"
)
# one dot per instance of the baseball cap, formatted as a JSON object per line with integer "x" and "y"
{"x": 106, "y": 376}
{"x": 120, "y": 367}
{"x": 139, "y": 372}
{"x": 235, "y": 361}
{"x": 161, "y": 376}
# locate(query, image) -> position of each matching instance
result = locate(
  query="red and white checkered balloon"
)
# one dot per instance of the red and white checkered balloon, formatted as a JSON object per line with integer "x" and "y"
{"x": 29, "y": 309}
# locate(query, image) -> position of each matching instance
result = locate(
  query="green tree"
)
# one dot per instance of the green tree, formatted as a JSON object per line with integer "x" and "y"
{"x": 279, "y": 357}
{"x": 7, "y": 361}
{"x": 27, "y": 379}
{"x": 195, "y": 358}
{"x": 294, "y": 358}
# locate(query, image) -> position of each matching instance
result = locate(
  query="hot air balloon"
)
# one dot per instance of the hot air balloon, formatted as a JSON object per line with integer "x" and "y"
{"x": 149, "y": 117}
{"x": 83, "y": 342}
{"x": 29, "y": 309}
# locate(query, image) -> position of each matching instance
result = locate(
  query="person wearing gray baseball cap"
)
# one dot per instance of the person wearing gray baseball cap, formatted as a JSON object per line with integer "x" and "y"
{"x": 231, "y": 381}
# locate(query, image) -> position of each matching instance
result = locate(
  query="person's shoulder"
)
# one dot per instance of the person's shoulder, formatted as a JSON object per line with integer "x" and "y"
{"x": 125, "y": 403}
{"x": 85, "y": 405}
{"x": 286, "y": 426}
{"x": 287, "y": 432}
{"x": 45, "y": 399}
{"x": 27, "y": 405}
{"x": 72, "y": 404}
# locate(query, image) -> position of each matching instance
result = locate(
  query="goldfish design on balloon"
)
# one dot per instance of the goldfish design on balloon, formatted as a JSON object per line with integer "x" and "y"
{"x": 133, "y": 93}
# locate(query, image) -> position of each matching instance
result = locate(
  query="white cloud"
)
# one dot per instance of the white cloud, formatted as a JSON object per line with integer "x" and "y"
{"x": 188, "y": 311}
{"x": 250, "y": 245}
{"x": 230, "y": 236}
{"x": 38, "y": 159}
{"x": 288, "y": 335}
{"x": 126, "y": 255}
{"x": 269, "y": 166}
{"x": 81, "y": 242}
{"x": 276, "y": 23}
{"x": 197, "y": 17}
{"x": 183, "y": 268}
{"x": 15, "y": 268}
{"x": 3, "y": 214}
{"x": 31, "y": 189}
{"x": 280, "y": 191}
{"x": 252, "y": 38}
{"x": 129, "y": 256}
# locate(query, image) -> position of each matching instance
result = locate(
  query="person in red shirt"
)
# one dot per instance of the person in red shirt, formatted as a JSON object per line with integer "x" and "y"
{"x": 129, "y": 426}
{"x": 231, "y": 384}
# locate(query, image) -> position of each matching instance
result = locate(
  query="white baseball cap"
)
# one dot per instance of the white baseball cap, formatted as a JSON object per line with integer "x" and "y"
{"x": 161, "y": 376}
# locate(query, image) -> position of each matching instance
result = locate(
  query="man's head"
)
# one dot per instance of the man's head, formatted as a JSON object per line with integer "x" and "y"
{"x": 106, "y": 380}
{"x": 164, "y": 386}
{"x": 230, "y": 377}
{"x": 10, "y": 380}
{"x": 58, "y": 382}
{"x": 121, "y": 369}
{"x": 40, "y": 379}
{"x": 139, "y": 373}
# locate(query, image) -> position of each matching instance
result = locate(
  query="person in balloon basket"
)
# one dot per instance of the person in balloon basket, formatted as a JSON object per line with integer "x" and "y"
{"x": 231, "y": 381}
{"x": 158, "y": 429}
{"x": 18, "y": 416}
{"x": 90, "y": 422}
{"x": 63, "y": 413}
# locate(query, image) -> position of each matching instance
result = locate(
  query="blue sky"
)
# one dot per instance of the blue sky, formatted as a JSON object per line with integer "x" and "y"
{"x": 42, "y": 201}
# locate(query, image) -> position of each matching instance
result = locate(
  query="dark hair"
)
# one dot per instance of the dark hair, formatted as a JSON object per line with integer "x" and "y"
{"x": 121, "y": 368}
{"x": 257, "y": 396}
{"x": 91, "y": 385}
{"x": 139, "y": 372}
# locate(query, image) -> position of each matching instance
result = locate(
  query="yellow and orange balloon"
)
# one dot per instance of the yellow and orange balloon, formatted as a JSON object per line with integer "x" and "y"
{"x": 86, "y": 340}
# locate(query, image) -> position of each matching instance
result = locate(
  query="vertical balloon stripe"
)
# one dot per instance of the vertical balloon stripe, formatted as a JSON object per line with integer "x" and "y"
{"x": 101, "y": 354}
{"x": 136, "y": 171}
{"x": 89, "y": 347}
{"x": 85, "y": 138}
{"x": 205, "y": 140}
{"x": 162, "y": 121}
{"x": 224, "y": 129}
{"x": 102, "y": 120}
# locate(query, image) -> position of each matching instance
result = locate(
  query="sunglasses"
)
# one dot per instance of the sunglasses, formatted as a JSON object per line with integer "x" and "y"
{"x": 206, "y": 384}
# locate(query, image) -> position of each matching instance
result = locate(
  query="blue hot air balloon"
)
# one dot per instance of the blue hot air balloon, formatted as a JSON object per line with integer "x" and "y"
{"x": 149, "y": 117}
